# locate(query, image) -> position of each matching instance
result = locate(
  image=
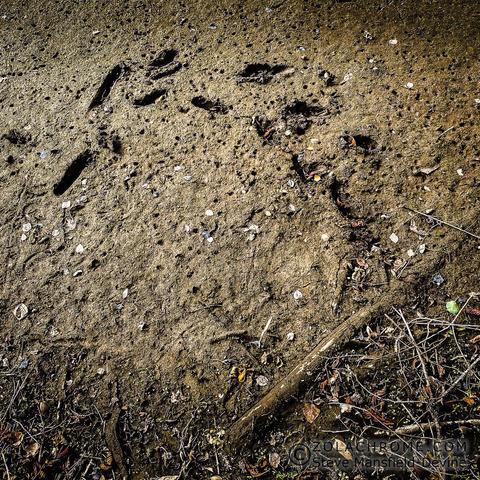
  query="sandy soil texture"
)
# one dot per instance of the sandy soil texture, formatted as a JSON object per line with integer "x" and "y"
{"x": 176, "y": 176}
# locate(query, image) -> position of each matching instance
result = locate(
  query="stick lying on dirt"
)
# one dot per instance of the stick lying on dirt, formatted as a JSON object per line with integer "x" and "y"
{"x": 264, "y": 410}
{"x": 427, "y": 425}
{"x": 451, "y": 225}
{"x": 292, "y": 384}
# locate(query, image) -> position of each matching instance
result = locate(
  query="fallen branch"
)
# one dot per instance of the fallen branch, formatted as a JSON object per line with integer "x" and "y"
{"x": 262, "y": 412}
{"x": 428, "y": 425}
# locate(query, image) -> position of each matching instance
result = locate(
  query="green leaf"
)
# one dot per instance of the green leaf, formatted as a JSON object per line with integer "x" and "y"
{"x": 452, "y": 307}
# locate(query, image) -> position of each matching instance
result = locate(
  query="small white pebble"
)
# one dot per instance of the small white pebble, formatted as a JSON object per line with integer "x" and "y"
{"x": 210, "y": 239}
{"x": 209, "y": 213}
{"x": 125, "y": 293}
{"x": 79, "y": 248}
{"x": 288, "y": 133}
{"x": 394, "y": 238}
{"x": 410, "y": 252}
{"x": 297, "y": 294}
{"x": 66, "y": 204}
{"x": 77, "y": 273}
{"x": 262, "y": 381}
{"x": 477, "y": 101}
{"x": 23, "y": 237}
{"x": 95, "y": 32}
{"x": 55, "y": 233}
{"x": 292, "y": 208}
{"x": 409, "y": 85}
{"x": 291, "y": 183}
{"x": 314, "y": 140}
{"x": 268, "y": 213}
{"x": 20, "y": 311}
{"x": 422, "y": 248}
{"x": 348, "y": 76}
{"x": 290, "y": 336}
{"x": 393, "y": 41}
{"x": 460, "y": 172}
{"x": 325, "y": 237}
{"x": 188, "y": 228}
{"x": 177, "y": 168}
{"x": 26, "y": 227}
{"x": 101, "y": 371}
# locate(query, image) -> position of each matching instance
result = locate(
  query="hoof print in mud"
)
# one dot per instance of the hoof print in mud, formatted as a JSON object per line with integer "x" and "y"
{"x": 361, "y": 143}
{"x": 259, "y": 73}
{"x": 214, "y": 106}
{"x": 17, "y": 138}
{"x": 164, "y": 64}
{"x": 73, "y": 171}
{"x": 295, "y": 118}
{"x": 149, "y": 98}
{"x": 107, "y": 84}
{"x": 263, "y": 126}
{"x": 298, "y": 115}
{"x": 110, "y": 142}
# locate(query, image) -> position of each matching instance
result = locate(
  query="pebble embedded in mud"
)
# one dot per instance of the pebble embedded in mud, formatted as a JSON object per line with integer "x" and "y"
{"x": 297, "y": 295}
{"x": 20, "y": 311}
{"x": 394, "y": 237}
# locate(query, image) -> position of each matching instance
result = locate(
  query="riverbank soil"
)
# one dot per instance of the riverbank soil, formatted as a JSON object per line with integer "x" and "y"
{"x": 194, "y": 194}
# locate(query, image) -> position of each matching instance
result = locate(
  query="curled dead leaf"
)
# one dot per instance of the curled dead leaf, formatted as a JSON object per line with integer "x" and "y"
{"x": 32, "y": 449}
{"x": 474, "y": 340}
{"x": 10, "y": 437}
{"x": 311, "y": 412}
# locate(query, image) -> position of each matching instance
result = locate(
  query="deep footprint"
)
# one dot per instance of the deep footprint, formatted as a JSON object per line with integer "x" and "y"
{"x": 73, "y": 171}
{"x": 107, "y": 84}
{"x": 259, "y": 73}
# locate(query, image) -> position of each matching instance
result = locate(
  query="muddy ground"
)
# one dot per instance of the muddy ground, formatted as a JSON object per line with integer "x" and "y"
{"x": 175, "y": 176}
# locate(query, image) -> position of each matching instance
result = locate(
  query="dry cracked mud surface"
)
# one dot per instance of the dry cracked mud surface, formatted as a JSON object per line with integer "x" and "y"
{"x": 177, "y": 175}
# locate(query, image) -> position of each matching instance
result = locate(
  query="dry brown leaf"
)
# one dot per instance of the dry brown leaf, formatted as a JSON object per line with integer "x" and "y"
{"x": 474, "y": 340}
{"x": 32, "y": 449}
{"x": 342, "y": 449}
{"x": 274, "y": 459}
{"x": 311, "y": 412}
